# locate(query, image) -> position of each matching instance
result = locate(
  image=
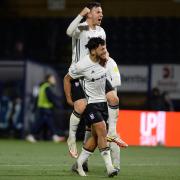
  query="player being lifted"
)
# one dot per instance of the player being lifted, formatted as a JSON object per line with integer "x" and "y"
{"x": 81, "y": 33}
{"x": 91, "y": 69}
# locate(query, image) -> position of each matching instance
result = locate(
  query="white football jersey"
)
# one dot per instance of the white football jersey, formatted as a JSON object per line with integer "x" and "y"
{"x": 94, "y": 79}
{"x": 113, "y": 74}
{"x": 81, "y": 37}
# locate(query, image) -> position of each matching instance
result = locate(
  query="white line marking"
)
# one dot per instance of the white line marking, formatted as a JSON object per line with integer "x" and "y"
{"x": 67, "y": 165}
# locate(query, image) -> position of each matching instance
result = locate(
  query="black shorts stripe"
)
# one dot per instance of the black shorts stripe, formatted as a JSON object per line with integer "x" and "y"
{"x": 77, "y": 50}
{"x": 76, "y": 57}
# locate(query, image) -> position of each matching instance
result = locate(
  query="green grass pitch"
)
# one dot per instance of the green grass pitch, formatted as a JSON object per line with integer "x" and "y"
{"x": 20, "y": 160}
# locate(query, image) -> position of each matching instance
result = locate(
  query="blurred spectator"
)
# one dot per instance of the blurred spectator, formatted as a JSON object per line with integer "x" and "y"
{"x": 6, "y": 107}
{"x": 11, "y": 117}
{"x": 168, "y": 104}
{"x": 17, "y": 117}
{"x": 160, "y": 102}
{"x": 46, "y": 102}
{"x": 18, "y": 51}
{"x": 156, "y": 101}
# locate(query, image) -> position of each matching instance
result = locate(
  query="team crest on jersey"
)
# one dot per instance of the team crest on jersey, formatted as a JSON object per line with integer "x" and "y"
{"x": 76, "y": 84}
{"x": 92, "y": 116}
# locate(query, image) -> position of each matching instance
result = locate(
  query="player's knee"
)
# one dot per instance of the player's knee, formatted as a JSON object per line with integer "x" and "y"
{"x": 112, "y": 98}
{"x": 91, "y": 144}
{"x": 80, "y": 105}
{"x": 101, "y": 129}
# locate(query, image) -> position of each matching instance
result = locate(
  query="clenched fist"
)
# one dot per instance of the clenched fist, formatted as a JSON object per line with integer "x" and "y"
{"x": 85, "y": 11}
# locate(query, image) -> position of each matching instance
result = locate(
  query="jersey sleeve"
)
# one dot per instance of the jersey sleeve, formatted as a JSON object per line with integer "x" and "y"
{"x": 114, "y": 73}
{"x": 73, "y": 30}
{"x": 76, "y": 71}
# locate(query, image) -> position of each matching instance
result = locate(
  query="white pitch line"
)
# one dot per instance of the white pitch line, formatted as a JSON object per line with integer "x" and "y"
{"x": 152, "y": 164}
{"x": 67, "y": 165}
{"x": 28, "y": 165}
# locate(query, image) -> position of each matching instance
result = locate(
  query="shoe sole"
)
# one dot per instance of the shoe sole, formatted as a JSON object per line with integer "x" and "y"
{"x": 120, "y": 144}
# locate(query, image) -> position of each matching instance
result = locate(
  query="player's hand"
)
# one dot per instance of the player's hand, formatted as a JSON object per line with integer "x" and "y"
{"x": 85, "y": 11}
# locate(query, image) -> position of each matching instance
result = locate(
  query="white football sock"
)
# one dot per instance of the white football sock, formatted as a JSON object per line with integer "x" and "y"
{"x": 84, "y": 155}
{"x": 113, "y": 116}
{"x": 73, "y": 125}
{"x": 115, "y": 154}
{"x": 107, "y": 159}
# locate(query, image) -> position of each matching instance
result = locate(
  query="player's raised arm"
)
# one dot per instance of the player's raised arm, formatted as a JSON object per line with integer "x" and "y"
{"x": 74, "y": 24}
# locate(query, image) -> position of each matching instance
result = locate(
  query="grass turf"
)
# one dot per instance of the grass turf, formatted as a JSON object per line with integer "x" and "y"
{"x": 20, "y": 160}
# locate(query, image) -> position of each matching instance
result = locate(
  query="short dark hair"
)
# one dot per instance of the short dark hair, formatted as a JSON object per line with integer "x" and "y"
{"x": 90, "y": 5}
{"x": 94, "y": 43}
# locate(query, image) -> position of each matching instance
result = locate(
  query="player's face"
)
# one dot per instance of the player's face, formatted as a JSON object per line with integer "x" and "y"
{"x": 52, "y": 80}
{"x": 96, "y": 15}
{"x": 101, "y": 52}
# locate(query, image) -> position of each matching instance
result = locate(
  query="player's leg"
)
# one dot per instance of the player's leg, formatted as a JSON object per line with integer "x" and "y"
{"x": 86, "y": 138}
{"x": 113, "y": 110}
{"x": 115, "y": 151}
{"x": 115, "y": 155}
{"x": 37, "y": 126}
{"x": 113, "y": 107}
{"x": 96, "y": 115}
{"x": 100, "y": 129}
{"x": 86, "y": 152}
{"x": 79, "y": 107}
{"x": 49, "y": 122}
{"x": 99, "y": 138}
{"x": 87, "y": 134}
